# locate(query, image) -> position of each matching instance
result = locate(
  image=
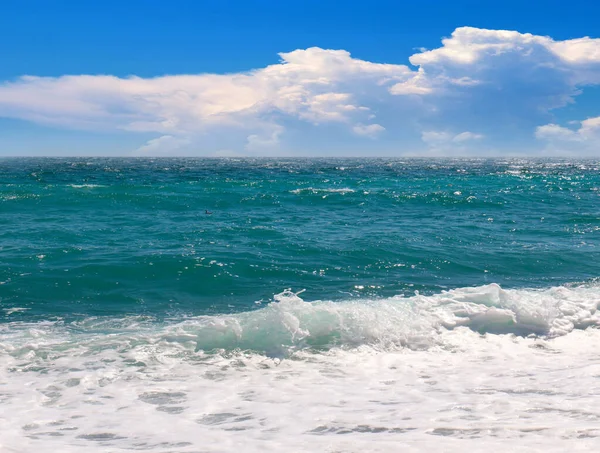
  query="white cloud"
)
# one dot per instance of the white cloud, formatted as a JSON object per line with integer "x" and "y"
{"x": 504, "y": 74}
{"x": 166, "y": 144}
{"x": 315, "y": 85}
{"x": 466, "y": 136}
{"x": 418, "y": 84}
{"x": 497, "y": 82}
{"x": 434, "y": 137}
{"x": 368, "y": 130}
{"x": 264, "y": 143}
{"x": 448, "y": 143}
{"x": 556, "y": 132}
{"x": 583, "y": 139}
{"x": 467, "y": 45}
{"x": 437, "y": 137}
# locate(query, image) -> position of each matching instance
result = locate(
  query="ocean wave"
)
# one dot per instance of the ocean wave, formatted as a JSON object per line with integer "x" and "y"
{"x": 86, "y": 186}
{"x": 289, "y": 324}
{"x": 317, "y": 190}
{"x": 418, "y": 367}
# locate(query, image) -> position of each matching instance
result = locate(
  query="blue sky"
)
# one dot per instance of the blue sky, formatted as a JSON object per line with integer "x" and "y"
{"x": 299, "y": 78}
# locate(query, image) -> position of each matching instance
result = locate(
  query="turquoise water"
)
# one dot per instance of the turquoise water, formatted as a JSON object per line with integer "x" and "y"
{"x": 440, "y": 305}
{"x": 118, "y": 237}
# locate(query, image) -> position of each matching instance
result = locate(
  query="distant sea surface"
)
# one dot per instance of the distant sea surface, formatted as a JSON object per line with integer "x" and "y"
{"x": 185, "y": 305}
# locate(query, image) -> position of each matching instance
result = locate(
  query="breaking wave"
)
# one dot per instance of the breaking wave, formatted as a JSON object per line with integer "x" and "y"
{"x": 289, "y": 324}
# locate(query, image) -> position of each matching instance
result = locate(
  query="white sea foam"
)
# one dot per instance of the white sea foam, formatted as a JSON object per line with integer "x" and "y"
{"x": 290, "y": 324}
{"x": 317, "y": 190}
{"x": 86, "y": 186}
{"x": 10, "y": 311}
{"x": 401, "y": 374}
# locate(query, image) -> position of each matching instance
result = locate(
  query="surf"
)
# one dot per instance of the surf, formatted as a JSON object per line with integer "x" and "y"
{"x": 289, "y": 324}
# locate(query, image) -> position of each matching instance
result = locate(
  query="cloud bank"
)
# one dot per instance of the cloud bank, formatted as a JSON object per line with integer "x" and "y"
{"x": 481, "y": 89}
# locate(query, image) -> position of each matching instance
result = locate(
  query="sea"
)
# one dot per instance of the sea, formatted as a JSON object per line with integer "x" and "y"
{"x": 299, "y": 305}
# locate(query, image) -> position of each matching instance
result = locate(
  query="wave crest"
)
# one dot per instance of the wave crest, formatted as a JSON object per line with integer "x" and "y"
{"x": 289, "y": 324}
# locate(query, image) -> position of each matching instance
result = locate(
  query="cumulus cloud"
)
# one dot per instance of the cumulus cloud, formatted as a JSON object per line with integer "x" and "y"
{"x": 447, "y": 137}
{"x": 584, "y": 139}
{"x": 368, "y": 130}
{"x": 496, "y": 82}
{"x": 444, "y": 142}
{"x": 588, "y": 130}
{"x": 466, "y": 136}
{"x": 264, "y": 143}
{"x": 504, "y": 83}
{"x": 419, "y": 84}
{"x": 166, "y": 144}
{"x": 469, "y": 45}
{"x": 314, "y": 85}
